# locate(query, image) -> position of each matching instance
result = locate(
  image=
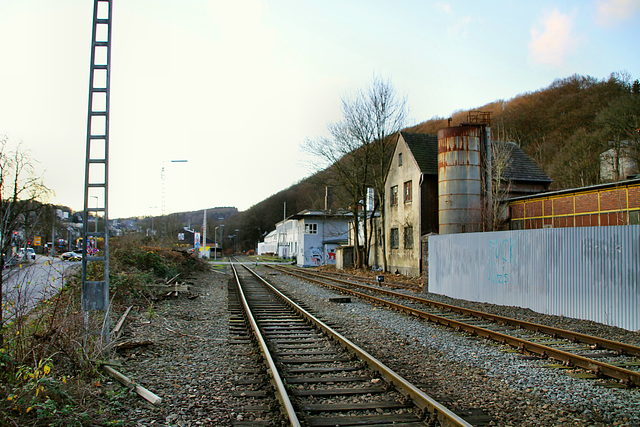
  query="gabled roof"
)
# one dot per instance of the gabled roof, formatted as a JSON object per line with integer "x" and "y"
{"x": 424, "y": 149}
{"x": 321, "y": 213}
{"x": 521, "y": 167}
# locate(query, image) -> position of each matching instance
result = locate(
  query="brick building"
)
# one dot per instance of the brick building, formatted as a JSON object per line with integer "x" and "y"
{"x": 615, "y": 203}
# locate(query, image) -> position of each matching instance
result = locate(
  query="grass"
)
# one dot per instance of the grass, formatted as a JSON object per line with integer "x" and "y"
{"x": 48, "y": 363}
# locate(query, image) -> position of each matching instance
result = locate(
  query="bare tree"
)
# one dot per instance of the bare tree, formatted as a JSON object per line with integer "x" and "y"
{"x": 500, "y": 186}
{"x": 349, "y": 168}
{"x": 358, "y": 151}
{"x": 20, "y": 187}
{"x": 389, "y": 113}
{"x": 620, "y": 122}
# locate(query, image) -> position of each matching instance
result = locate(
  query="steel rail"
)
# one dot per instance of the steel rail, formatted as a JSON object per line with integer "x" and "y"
{"x": 281, "y": 391}
{"x": 602, "y": 343}
{"x": 420, "y": 398}
{"x": 600, "y": 368}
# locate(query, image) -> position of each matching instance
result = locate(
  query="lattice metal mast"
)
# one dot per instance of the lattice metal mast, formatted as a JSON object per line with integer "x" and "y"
{"x": 95, "y": 293}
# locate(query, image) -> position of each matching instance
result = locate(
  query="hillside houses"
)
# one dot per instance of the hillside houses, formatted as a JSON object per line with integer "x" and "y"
{"x": 416, "y": 197}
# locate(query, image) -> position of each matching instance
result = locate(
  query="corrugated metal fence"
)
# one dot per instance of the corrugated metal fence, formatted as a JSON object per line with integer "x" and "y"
{"x": 588, "y": 273}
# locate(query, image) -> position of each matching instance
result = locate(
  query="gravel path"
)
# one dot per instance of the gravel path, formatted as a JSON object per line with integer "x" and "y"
{"x": 192, "y": 365}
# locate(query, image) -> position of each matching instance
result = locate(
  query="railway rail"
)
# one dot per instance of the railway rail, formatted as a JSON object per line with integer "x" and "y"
{"x": 393, "y": 283}
{"x": 320, "y": 377}
{"x": 619, "y": 361}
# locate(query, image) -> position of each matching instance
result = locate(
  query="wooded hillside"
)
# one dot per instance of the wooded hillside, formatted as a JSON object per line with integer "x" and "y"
{"x": 563, "y": 127}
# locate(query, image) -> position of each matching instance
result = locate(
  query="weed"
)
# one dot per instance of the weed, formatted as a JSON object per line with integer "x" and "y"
{"x": 47, "y": 361}
{"x": 151, "y": 312}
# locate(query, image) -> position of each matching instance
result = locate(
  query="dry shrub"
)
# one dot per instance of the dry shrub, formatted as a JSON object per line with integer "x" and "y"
{"x": 48, "y": 358}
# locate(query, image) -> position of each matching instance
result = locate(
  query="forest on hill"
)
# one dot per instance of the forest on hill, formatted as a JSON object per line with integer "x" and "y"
{"x": 563, "y": 127}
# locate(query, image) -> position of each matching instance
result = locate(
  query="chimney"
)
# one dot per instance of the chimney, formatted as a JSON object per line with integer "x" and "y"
{"x": 328, "y": 198}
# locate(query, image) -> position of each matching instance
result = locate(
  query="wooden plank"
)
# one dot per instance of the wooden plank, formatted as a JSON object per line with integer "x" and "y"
{"x": 303, "y": 352}
{"x": 170, "y": 288}
{"x": 118, "y": 329}
{"x": 356, "y": 406}
{"x": 127, "y": 382}
{"x": 322, "y": 380}
{"x": 340, "y": 391}
{"x": 249, "y": 393}
{"x": 323, "y": 370}
{"x": 303, "y": 360}
{"x": 404, "y": 420}
{"x": 168, "y": 282}
{"x": 132, "y": 344}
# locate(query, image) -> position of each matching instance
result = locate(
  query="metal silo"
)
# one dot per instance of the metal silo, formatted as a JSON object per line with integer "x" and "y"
{"x": 461, "y": 154}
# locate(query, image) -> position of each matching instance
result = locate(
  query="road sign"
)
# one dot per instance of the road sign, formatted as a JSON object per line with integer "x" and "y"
{"x": 36, "y": 241}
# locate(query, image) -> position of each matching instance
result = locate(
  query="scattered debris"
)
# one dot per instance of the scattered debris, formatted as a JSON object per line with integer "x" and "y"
{"x": 183, "y": 334}
{"x": 127, "y": 382}
{"x": 118, "y": 329}
{"x": 133, "y": 344}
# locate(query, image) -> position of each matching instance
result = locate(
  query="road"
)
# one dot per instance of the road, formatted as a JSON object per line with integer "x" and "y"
{"x": 26, "y": 284}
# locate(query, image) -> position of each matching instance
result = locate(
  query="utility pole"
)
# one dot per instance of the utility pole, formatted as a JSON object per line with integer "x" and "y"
{"x": 95, "y": 291}
{"x": 204, "y": 231}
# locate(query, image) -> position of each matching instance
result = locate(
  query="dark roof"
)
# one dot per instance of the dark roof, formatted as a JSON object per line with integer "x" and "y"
{"x": 320, "y": 213}
{"x": 189, "y": 236}
{"x": 521, "y": 167}
{"x": 424, "y": 149}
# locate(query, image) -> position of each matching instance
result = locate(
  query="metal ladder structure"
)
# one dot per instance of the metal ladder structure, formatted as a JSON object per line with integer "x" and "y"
{"x": 95, "y": 263}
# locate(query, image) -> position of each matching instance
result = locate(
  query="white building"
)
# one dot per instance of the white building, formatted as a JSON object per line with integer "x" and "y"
{"x": 616, "y": 165}
{"x": 311, "y": 236}
{"x": 270, "y": 244}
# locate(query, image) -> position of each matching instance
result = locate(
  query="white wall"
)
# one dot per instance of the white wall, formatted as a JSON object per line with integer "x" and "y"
{"x": 590, "y": 273}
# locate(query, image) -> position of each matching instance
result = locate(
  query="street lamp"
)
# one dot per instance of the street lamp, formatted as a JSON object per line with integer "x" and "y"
{"x": 221, "y": 226}
{"x": 215, "y": 243}
{"x": 152, "y": 231}
{"x": 163, "y": 181}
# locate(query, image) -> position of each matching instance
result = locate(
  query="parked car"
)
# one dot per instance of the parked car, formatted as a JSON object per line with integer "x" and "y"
{"x": 71, "y": 256}
{"x": 30, "y": 253}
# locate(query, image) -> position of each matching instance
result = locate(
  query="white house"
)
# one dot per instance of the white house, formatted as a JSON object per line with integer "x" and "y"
{"x": 311, "y": 236}
{"x": 616, "y": 165}
{"x": 270, "y": 244}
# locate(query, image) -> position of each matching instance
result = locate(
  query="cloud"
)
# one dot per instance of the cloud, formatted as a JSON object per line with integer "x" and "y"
{"x": 460, "y": 24}
{"x": 610, "y": 12}
{"x": 460, "y": 28}
{"x": 443, "y": 7}
{"x": 551, "y": 39}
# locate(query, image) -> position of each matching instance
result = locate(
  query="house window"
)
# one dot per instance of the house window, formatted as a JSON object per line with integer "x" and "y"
{"x": 395, "y": 238}
{"x": 399, "y": 159}
{"x": 394, "y": 195}
{"x": 311, "y": 229}
{"x": 408, "y": 237}
{"x": 407, "y": 191}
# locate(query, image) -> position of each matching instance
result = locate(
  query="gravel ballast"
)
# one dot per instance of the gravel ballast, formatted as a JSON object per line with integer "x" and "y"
{"x": 193, "y": 366}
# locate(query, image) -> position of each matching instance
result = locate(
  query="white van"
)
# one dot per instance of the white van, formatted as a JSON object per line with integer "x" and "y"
{"x": 31, "y": 254}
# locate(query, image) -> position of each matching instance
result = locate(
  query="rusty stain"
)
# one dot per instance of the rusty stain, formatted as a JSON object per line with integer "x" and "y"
{"x": 459, "y": 179}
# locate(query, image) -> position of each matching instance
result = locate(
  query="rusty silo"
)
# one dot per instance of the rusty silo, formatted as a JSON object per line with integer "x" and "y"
{"x": 461, "y": 178}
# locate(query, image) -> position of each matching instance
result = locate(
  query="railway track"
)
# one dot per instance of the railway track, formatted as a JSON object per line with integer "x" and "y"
{"x": 602, "y": 357}
{"x": 318, "y": 376}
{"x": 393, "y": 283}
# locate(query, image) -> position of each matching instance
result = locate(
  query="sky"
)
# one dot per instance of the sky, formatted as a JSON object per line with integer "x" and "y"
{"x": 236, "y": 87}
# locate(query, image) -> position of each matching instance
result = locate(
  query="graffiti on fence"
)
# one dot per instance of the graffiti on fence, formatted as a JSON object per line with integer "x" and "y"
{"x": 500, "y": 259}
